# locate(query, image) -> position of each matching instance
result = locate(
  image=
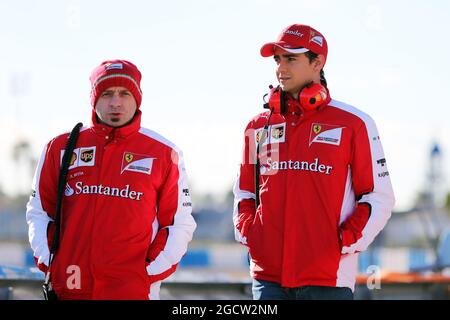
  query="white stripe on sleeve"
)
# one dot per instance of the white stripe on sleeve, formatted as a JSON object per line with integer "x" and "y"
{"x": 37, "y": 218}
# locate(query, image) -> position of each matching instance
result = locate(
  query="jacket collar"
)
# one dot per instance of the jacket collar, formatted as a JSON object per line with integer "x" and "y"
{"x": 121, "y": 132}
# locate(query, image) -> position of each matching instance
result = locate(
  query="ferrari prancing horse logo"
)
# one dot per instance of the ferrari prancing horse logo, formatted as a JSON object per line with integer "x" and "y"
{"x": 128, "y": 157}
{"x": 317, "y": 128}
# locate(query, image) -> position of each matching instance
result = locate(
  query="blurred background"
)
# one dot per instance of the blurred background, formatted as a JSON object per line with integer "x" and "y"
{"x": 203, "y": 80}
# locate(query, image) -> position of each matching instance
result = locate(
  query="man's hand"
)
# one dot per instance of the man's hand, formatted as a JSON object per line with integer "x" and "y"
{"x": 41, "y": 266}
{"x": 350, "y": 231}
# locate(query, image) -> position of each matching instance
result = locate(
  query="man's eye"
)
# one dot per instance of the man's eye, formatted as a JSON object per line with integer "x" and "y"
{"x": 106, "y": 94}
{"x": 291, "y": 59}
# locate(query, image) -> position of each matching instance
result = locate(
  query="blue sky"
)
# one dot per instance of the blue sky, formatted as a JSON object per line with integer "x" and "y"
{"x": 203, "y": 77}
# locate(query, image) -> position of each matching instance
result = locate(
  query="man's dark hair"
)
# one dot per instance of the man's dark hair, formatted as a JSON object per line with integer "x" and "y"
{"x": 311, "y": 57}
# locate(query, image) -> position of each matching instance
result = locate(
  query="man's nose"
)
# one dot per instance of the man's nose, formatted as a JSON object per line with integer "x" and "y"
{"x": 115, "y": 100}
{"x": 281, "y": 67}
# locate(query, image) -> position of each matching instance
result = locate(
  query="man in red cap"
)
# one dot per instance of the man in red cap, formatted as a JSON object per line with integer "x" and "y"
{"x": 126, "y": 212}
{"x": 313, "y": 188}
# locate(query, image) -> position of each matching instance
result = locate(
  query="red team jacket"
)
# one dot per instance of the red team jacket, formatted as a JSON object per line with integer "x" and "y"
{"x": 126, "y": 217}
{"x": 325, "y": 193}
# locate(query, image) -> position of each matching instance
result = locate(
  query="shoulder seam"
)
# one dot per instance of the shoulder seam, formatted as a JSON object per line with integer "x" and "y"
{"x": 156, "y": 136}
{"x": 351, "y": 109}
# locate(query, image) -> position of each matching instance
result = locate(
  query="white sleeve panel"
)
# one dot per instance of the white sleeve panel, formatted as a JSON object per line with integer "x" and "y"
{"x": 239, "y": 195}
{"x": 37, "y": 218}
{"x": 181, "y": 231}
{"x": 381, "y": 199}
{"x": 348, "y": 202}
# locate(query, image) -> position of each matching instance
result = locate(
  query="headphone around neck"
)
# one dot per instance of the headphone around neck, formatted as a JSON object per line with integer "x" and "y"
{"x": 310, "y": 97}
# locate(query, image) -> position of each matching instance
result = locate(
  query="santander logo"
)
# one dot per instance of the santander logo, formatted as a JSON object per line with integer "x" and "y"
{"x": 294, "y": 32}
{"x": 69, "y": 191}
{"x": 124, "y": 192}
{"x": 316, "y": 166}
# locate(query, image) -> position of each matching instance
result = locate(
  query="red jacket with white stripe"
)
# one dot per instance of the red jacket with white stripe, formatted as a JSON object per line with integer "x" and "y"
{"x": 325, "y": 193}
{"x": 126, "y": 213}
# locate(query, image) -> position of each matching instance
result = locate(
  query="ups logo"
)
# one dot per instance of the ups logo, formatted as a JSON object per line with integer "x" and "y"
{"x": 87, "y": 155}
{"x": 278, "y": 132}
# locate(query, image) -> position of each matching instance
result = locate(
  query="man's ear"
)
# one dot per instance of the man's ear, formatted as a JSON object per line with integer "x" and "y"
{"x": 319, "y": 62}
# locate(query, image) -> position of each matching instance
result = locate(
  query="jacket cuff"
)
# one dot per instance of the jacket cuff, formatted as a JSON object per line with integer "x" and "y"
{"x": 41, "y": 266}
{"x": 161, "y": 276}
{"x": 157, "y": 245}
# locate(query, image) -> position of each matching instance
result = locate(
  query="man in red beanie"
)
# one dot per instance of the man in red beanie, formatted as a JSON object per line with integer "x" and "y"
{"x": 126, "y": 219}
{"x": 313, "y": 188}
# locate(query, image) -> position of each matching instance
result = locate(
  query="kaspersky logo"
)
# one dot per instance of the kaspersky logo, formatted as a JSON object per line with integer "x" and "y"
{"x": 124, "y": 192}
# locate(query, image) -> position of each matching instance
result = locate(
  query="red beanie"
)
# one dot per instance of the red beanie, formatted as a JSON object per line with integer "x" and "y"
{"x": 116, "y": 73}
